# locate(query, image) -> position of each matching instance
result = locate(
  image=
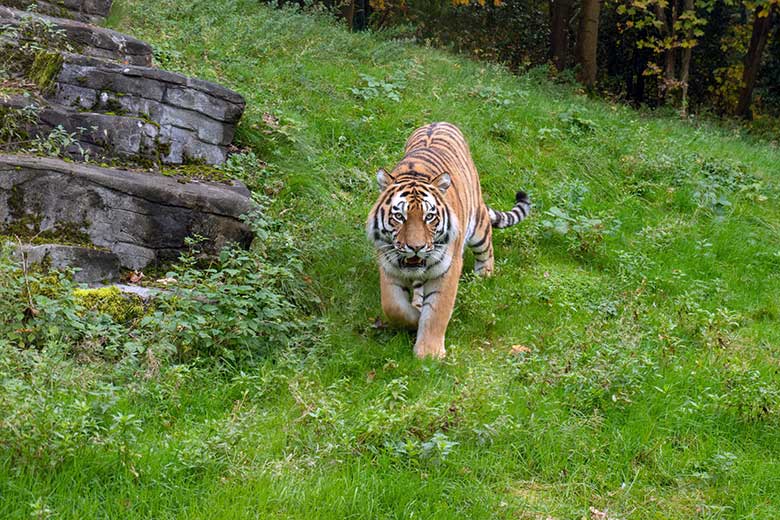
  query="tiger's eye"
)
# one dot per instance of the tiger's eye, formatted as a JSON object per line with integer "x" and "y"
{"x": 429, "y": 217}
{"x": 398, "y": 216}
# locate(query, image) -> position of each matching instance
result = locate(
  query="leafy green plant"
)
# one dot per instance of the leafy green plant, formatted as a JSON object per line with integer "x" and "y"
{"x": 498, "y": 96}
{"x": 436, "y": 449}
{"x": 256, "y": 174}
{"x": 582, "y": 233}
{"x": 753, "y": 396}
{"x": 58, "y": 143}
{"x": 715, "y": 180}
{"x": 503, "y": 130}
{"x": 122, "y": 435}
{"x": 374, "y": 87}
{"x": 165, "y": 57}
{"x": 14, "y": 124}
{"x": 234, "y": 311}
{"x": 576, "y": 124}
{"x": 34, "y": 38}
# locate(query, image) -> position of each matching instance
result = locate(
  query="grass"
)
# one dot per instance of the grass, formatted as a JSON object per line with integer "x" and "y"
{"x": 643, "y": 289}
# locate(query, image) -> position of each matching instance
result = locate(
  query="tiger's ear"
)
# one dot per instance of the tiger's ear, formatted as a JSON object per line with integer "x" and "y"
{"x": 442, "y": 181}
{"x": 383, "y": 179}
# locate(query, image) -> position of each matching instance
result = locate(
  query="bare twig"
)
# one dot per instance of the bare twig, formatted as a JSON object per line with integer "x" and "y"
{"x": 25, "y": 271}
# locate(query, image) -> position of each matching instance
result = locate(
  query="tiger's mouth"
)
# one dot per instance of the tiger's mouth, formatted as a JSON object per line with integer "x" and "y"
{"x": 415, "y": 262}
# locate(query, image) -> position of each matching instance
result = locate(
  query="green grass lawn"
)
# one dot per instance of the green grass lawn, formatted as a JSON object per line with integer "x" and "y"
{"x": 643, "y": 288}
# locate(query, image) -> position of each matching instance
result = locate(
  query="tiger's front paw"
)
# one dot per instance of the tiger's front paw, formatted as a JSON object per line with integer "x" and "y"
{"x": 435, "y": 350}
{"x": 484, "y": 269}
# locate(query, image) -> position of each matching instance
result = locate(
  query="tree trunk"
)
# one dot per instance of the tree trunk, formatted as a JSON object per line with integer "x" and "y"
{"x": 685, "y": 67}
{"x": 667, "y": 29}
{"x": 587, "y": 42}
{"x": 560, "y": 12}
{"x": 758, "y": 39}
{"x": 348, "y": 13}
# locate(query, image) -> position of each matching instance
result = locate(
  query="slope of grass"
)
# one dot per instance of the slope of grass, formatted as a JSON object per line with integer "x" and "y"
{"x": 623, "y": 360}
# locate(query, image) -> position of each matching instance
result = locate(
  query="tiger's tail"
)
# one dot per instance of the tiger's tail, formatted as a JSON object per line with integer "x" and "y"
{"x": 502, "y": 219}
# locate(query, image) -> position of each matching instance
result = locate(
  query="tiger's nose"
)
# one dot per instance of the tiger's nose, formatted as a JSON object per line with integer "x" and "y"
{"x": 415, "y": 249}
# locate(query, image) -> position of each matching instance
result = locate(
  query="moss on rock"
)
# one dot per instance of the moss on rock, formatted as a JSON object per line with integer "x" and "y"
{"x": 44, "y": 70}
{"x": 197, "y": 171}
{"x": 123, "y": 308}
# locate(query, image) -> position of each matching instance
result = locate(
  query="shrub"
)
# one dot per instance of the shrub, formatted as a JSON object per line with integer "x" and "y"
{"x": 233, "y": 308}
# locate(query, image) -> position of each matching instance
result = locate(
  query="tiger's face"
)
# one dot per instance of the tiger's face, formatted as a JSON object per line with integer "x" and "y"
{"x": 410, "y": 225}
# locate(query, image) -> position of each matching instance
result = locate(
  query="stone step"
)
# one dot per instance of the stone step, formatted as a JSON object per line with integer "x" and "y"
{"x": 93, "y": 11}
{"x": 103, "y": 137}
{"x": 142, "y": 218}
{"x": 93, "y": 265}
{"x": 106, "y": 137}
{"x": 87, "y": 39}
{"x": 196, "y": 118}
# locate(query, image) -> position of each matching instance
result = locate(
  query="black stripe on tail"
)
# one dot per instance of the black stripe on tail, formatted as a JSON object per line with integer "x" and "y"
{"x": 502, "y": 219}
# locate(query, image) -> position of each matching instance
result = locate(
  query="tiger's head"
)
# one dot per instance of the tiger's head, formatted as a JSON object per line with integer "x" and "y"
{"x": 410, "y": 224}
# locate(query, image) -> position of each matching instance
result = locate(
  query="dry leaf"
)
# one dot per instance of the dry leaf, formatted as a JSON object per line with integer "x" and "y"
{"x": 135, "y": 277}
{"x": 517, "y": 349}
{"x": 152, "y": 365}
{"x": 370, "y": 376}
{"x": 595, "y": 514}
{"x": 271, "y": 120}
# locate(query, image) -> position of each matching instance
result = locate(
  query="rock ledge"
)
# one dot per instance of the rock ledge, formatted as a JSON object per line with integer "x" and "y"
{"x": 141, "y": 218}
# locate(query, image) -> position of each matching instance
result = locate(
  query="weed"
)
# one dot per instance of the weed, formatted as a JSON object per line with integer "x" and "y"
{"x": 58, "y": 143}
{"x": 497, "y": 95}
{"x": 165, "y": 57}
{"x": 436, "y": 449}
{"x": 582, "y": 231}
{"x": 15, "y": 123}
{"x": 380, "y": 88}
{"x": 575, "y": 124}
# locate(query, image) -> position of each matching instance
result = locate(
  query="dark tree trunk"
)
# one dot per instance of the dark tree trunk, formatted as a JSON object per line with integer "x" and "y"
{"x": 361, "y": 13}
{"x": 560, "y": 12}
{"x": 685, "y": 66}
{"x": 636, "y": 87}
{"x": 758, "y": 39}
{"x": 667, "y": 29}
{"x": 348, "y": 13}
{"x": 587, "y": 42}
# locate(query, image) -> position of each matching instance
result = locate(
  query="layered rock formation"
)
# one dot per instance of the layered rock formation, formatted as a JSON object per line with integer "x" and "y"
{"x": 196, "y": 119}
{"x": 142, "y": 218}
{"x": 177, "y": 119}
{"x": 93, "y": 11}
{"x": 101, "y": 89}
{"x": 87, "y": 39}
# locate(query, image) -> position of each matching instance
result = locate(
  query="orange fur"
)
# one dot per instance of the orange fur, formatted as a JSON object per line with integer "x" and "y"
{"x": 430, "y": 209}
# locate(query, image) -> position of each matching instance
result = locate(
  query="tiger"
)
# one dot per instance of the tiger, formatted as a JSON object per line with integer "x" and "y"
{"x": 429, "y": 209}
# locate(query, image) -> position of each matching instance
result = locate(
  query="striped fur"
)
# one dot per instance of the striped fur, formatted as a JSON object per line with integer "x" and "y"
{"x": 429, "y": 210}
{"x": 503, "y": 219}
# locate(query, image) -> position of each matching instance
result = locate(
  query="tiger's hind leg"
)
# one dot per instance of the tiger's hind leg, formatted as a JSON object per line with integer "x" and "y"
{"x": 481, "y": 244}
